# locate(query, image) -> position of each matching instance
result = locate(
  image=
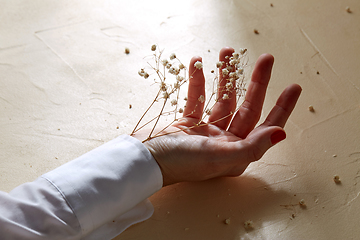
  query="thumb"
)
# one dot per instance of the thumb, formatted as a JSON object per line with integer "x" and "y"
{"x": 263, "y": 138}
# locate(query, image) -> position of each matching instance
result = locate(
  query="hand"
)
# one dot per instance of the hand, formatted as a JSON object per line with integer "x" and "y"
{"x": 224, "y": 147}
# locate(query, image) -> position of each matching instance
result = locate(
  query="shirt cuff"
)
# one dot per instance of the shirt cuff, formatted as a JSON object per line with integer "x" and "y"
{"x": 108, "y": 182}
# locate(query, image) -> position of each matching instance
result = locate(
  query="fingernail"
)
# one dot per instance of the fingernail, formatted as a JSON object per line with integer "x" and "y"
{"x": 277, "y": 136}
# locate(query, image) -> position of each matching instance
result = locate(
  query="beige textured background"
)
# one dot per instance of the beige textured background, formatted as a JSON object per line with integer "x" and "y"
{"x": 66, "y": 85}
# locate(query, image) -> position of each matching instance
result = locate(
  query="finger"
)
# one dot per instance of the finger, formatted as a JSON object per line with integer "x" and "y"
{"x": 224, "y": 106}
{"x": 261, "y": 139}
{"x": 195, "y": 103}
{"x": 250, "y": 110}
{"x": 253, "y": 147}
{"x": 284, "y": 106}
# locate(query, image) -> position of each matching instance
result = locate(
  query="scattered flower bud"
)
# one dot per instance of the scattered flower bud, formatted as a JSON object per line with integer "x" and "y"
{"x": 227, "y": 221}
{"x": 181, "y": 110}
{"x": 248, "y": 224}
{"x": 348, "y": 10}
{"x": 302, "y": 202}
{"x": 236, "y": 55}
{"x": 181, "y": 66}
{"x": 153, "y": 47}
{"x": 311, "y": 108}
{"x": 337, "y": 179}
{"x": 127, "y": 50}
{"x": 146, "y": 75}
{"x": 198, "y": 65}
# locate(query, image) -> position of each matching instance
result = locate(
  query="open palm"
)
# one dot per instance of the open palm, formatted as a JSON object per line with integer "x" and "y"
{"x": 225, "y": 146}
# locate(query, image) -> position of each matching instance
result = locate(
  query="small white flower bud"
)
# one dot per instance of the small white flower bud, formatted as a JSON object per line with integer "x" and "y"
{"x": 225, "y": 72}
{"x": 236, "y": 55}
{"x": 248, "y": 224}
{"x": 173, "y": 102}
{"x": 172, "y": 70}
{"x": 172, "y": 56}
{"x": 176, "y": 85}
{"x": 164, "y": 62}
{"x": 243, "y": 51}
{"x": 166, "y": 95}
{"x": 201, "y": 99}
{"x": 163, "y": 86}
{"x": 228, "y": 86}
{"x": 179, "y": 78}
{"x": 198, "y": 65}
{"x": 233, "y": 62}
{"x": 232, "y": 75}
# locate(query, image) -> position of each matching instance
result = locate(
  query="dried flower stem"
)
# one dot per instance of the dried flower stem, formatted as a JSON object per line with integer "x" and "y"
{"x": 165, "y": 69}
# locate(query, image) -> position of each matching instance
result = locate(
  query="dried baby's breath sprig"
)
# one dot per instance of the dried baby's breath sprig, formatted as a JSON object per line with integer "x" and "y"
{"x": 171, "y": 74}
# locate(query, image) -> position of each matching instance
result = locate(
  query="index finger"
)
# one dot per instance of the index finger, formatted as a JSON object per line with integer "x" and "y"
{"x": 196, "y": 92}
{"x": 250, "y": 110}
{"x": 224, "y": 106}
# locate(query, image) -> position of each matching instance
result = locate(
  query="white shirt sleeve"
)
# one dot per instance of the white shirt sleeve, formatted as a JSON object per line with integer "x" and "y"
{"x": 96, "y": 196}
